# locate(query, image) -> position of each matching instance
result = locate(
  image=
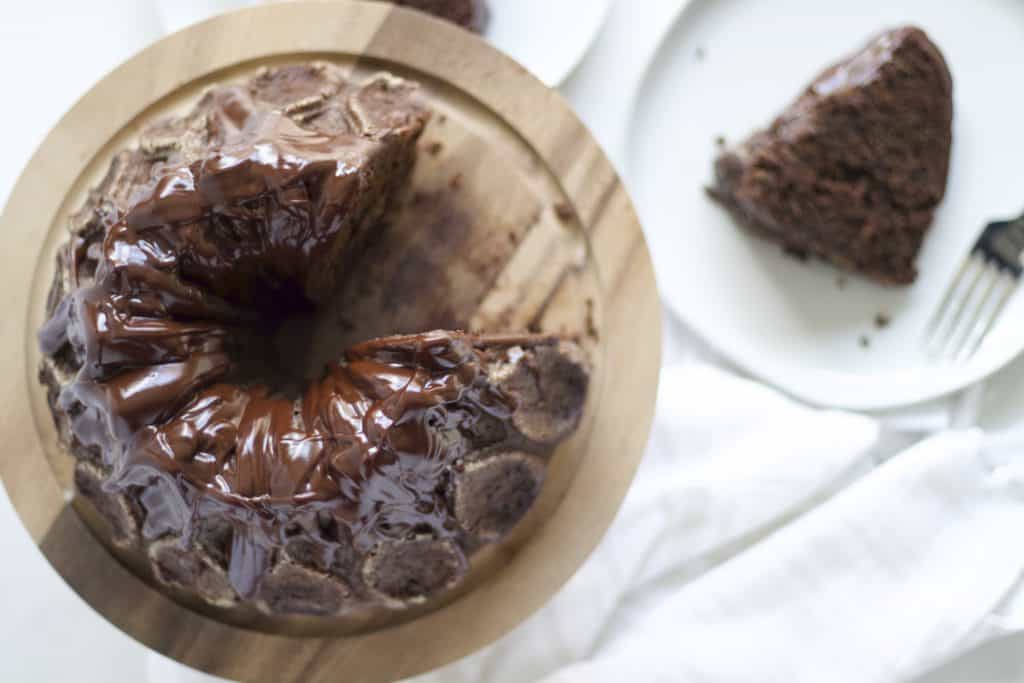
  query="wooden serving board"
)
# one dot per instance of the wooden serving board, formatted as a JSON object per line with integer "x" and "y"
{"x": 515, "y": 220}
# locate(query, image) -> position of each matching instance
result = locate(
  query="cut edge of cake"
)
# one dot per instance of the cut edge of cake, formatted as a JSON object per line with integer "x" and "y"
{"x": 852, "y": 171}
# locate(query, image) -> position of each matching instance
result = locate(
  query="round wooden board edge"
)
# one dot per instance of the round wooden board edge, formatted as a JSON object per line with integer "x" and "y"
{"x": 557, "y": 549}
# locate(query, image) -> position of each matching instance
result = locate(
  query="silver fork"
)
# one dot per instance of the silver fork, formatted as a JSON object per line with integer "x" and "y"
{"x": 978, "y": 293}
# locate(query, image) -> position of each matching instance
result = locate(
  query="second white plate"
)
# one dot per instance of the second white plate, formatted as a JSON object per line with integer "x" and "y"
{"x": 548, "y": 38}
{"x": 726, "y": 68}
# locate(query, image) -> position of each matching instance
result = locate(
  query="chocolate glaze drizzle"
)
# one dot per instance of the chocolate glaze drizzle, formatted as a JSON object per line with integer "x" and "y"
{"x": 199, "y": 266}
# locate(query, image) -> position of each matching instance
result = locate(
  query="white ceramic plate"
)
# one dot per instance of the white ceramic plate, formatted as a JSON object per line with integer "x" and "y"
{"x": 726, "y": 68}
{"x": 547, "y": 37}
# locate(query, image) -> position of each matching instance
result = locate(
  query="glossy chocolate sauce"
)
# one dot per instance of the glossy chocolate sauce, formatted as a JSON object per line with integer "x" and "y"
{"x": 202, "y": 263}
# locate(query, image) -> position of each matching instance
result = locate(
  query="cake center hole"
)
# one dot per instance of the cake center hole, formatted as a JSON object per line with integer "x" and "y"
{"x": 289, "y": 351}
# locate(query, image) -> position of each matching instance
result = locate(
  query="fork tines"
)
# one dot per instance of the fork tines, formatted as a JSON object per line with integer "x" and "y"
{"x": 978, "y": 294}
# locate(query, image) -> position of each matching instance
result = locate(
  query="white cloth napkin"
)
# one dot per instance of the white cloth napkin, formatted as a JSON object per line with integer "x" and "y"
{"x": 735, "y": 560}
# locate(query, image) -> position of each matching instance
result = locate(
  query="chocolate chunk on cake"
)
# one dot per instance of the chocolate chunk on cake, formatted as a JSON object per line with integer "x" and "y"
{"x": 853, "y": 170}
{"x": 364, "y": 488}
{"x": 470, "y": 14}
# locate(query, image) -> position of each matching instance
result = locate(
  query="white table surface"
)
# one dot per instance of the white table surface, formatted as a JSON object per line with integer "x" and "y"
{"x": 52, "y": 52}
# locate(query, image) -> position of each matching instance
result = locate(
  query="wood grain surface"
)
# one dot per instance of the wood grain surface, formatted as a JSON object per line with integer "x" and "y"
{"x": 515, "y": 219}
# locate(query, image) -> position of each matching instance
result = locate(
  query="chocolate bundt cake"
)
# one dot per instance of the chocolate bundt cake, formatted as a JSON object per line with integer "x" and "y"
{"x": 853, "y": 170}
{"x": 470, "y": 14}
{"x": 367, "y": 486}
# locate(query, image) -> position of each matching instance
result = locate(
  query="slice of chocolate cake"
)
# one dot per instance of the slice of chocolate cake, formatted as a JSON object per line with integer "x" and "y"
{"x": 852, "y": 171}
